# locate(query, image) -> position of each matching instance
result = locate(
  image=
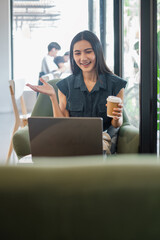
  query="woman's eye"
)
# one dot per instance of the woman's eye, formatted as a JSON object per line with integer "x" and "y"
{"x": 88, "y": 52}
{"x": 77, "y": 53}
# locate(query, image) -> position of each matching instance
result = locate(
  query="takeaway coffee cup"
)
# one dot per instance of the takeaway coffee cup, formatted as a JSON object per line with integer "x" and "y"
{"x": 112, "y": 102}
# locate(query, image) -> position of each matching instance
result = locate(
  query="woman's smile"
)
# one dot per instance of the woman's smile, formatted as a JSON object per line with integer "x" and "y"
{"x": 85, "y": 64}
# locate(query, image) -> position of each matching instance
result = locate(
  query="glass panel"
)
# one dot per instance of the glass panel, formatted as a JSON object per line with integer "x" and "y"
{"x": 96, "y": 17}
{"x": 158, "y": 76}
{"x": 131, "y": 58}
{"x": 36, "y": 24}
{"x": 109, "y": 35}
{"x": 109, "y": 29}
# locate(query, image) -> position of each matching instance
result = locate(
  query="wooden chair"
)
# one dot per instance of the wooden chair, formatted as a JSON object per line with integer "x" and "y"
{"x": 16, "y": 90}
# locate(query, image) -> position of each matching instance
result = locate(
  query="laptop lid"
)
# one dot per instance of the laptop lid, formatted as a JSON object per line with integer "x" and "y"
{"x": 65, "y": 136}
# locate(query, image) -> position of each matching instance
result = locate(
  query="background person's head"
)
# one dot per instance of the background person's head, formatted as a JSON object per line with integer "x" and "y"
{"x": 66, "y": 56}
{"x": 100, "y": 65}
{"x": 53, "y": 49}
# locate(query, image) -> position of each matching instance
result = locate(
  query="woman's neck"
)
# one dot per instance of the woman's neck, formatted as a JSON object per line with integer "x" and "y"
{"x": 90, "y": 76}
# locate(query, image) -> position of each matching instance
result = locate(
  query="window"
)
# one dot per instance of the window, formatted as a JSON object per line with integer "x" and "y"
{"x": 96, "y": 18}
{"x": 109, "y": 35}
{"x": 36, "y": 24}
{"x": 109, "y": 29}
{"x": 131, "y": 58}
{"x": 158, "y": 76}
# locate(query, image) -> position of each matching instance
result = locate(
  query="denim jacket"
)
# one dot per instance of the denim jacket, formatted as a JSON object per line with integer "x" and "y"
{"x": 82, "y": 103}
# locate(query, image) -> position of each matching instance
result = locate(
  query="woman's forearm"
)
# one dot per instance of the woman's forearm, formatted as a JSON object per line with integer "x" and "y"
{"x": 55, "y": 106}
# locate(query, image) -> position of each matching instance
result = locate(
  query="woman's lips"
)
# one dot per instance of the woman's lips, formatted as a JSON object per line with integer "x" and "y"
{"x": 85, "y": 64}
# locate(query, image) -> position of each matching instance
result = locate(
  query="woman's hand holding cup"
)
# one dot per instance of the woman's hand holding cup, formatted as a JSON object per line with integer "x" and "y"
{"x": 114, "y": 107}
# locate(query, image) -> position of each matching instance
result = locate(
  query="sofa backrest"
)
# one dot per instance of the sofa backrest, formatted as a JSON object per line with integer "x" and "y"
{"x": 115, "y": 201}
{"x": 43, "y": 106}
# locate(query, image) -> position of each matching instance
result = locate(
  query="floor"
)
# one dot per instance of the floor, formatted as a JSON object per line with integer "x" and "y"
{"x": 7, "y": 124}
{"x": 6, "y": 128}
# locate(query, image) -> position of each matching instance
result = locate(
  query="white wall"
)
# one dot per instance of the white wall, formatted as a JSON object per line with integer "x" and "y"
{"x": 5, "y": 63}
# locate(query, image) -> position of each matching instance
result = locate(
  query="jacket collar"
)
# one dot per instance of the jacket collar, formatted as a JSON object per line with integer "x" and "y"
{"x": 79, "y": 82}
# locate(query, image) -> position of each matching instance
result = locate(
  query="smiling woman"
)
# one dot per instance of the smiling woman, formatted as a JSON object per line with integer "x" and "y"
{"x": 84, "y": 93}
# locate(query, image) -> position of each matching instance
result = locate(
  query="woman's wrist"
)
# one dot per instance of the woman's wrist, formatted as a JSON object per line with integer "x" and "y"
{"x": 116, "y": 122}
{"x": 52, "y": 97}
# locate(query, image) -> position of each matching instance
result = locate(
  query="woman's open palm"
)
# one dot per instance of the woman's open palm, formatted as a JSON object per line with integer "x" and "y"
{"x": 46, "y": 88}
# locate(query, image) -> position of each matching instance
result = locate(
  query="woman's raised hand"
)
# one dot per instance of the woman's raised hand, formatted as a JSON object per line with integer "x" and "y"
{"x": 46, "y": 88}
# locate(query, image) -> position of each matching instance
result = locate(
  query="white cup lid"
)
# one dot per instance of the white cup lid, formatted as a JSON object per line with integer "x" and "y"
{"x": 114, "y": 99}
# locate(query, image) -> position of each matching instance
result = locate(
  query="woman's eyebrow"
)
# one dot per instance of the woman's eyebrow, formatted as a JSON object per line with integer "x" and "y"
{"x": 88, "y": 49}
{"x": 84, "y": 49}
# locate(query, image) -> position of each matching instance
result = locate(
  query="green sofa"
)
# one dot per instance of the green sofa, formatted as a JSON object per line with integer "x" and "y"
{"x": 128, "y": 137}
{"x": 82, "y": 198}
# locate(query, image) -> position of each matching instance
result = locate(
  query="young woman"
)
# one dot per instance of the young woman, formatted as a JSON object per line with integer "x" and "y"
{"x": 84, "y": 93}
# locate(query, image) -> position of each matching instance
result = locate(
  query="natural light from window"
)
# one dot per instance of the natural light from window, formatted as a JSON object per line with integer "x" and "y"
{"x": 33, "y": 31}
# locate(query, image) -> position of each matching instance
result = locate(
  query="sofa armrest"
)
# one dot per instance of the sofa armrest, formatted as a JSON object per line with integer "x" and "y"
{"x": 43, "y": 108}
{"x": 128, "y": 139}
{"x": 21, "y": 142}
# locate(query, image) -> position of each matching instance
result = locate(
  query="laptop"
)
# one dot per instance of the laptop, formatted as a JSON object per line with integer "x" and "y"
{"x": 65, "y": 136}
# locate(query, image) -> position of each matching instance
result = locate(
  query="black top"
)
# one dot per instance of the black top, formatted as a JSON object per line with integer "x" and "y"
{"x": 58, "y": 60}
{"x": 82, "y": 103}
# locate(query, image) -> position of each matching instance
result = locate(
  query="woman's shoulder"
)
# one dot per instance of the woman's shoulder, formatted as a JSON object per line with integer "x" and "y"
{"x": 64, "y": 84}
{"x": 68, "y": 79}
{"x": 114, "y": 82}
{"x": 114, "y": 78}
{"x": 64, "y": 80}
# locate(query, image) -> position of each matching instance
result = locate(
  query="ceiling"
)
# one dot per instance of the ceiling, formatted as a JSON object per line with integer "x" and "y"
{"x": 35, "y": 13}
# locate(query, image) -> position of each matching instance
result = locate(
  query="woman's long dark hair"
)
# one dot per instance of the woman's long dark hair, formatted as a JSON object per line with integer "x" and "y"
{"x": 100, "y": 65}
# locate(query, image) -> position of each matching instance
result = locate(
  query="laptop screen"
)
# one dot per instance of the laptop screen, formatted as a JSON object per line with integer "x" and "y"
{"x": 65, "y": 136}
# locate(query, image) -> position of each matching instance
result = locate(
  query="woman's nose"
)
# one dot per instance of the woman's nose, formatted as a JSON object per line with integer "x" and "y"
{"x": 83, "y": 56}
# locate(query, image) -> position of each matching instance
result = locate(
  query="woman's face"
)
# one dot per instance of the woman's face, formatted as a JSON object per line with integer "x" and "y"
{"x": 84, "y": 56}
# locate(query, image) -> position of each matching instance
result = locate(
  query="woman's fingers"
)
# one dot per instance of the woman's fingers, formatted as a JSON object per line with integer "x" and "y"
{"x": 42, "y": 80}
{"x": 116, "y": 118}
{"x": 33, "y": 87}
{"x": 46, "y": 88}
{"x": 117, "y": 115}
{"x": 117, "y": 112}
{"x": 120, "y": 105}
{"x": 36, "y": 88}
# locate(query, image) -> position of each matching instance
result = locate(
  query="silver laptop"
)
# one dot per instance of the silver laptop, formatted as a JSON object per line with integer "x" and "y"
{"x": 65, "y": 136}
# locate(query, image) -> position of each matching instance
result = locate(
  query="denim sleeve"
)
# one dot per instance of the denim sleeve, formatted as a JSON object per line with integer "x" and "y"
{"x": 118, "y": 84}
{"x": 63, "y": 86}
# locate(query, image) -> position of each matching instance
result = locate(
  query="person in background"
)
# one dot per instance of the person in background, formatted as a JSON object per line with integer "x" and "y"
{"x": 60, "y": 60}
{"x": 48, "y": 64}
{"x": 84, "y": 93}
{"x": 63, "y": 64}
